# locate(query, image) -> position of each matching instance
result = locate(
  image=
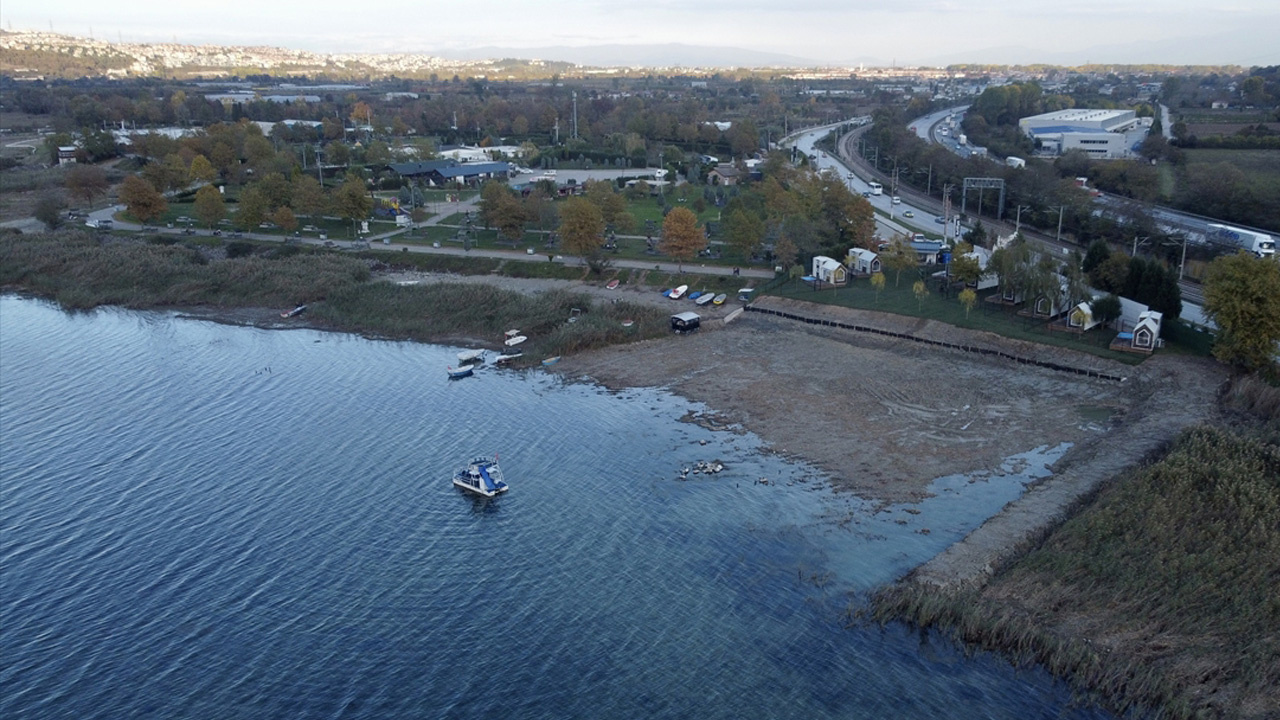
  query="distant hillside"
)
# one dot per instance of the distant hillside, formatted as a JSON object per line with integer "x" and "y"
{"x": 655, "y": 56}
{"x": 52, "y": 55}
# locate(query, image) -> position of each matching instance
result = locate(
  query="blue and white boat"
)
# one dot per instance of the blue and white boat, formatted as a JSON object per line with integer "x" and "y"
{"x": 460, "y": 372}
{"x": 481, "y": 476}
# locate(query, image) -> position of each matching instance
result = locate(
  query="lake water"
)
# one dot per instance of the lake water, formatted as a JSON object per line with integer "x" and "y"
{"x": 202, "y": 521}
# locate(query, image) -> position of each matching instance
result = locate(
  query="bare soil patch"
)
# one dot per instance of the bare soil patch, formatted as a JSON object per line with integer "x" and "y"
{"x": 883, "y": 416}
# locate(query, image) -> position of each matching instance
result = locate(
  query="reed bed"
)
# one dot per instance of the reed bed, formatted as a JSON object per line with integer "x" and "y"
{"x": 1162, "y": 594}
{"x": 482, "y": 313}
{"x": 79, "y": 271}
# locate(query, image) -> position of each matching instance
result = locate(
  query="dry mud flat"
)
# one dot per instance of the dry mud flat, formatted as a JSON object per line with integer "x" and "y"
{"x": 885, "y": 416}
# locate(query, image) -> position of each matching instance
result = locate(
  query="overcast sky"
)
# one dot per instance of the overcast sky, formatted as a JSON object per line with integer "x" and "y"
{"x": 828, "y": 31}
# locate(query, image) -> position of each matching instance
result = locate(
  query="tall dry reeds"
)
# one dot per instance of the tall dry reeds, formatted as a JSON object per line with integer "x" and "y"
{"x": 1161, "y": 594}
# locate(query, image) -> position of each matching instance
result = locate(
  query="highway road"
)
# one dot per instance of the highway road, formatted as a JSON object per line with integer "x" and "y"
{"x": 925, "y": 209}
{"x": 903, "y": 217}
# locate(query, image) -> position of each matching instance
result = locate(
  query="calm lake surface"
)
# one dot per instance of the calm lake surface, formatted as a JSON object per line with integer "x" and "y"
{"x": 202, "y": 521}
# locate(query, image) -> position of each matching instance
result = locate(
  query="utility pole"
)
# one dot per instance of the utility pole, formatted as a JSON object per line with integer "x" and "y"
{"x": 946, "y": 211}
{"x": 1058, "y": 238}
{"x": 1017, "y": 223}
{"x": 575, "y": 114}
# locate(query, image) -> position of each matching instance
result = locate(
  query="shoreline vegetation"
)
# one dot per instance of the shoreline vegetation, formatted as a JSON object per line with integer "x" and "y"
{"x": 1160, "y": 593}
{"x": 78, "y": 272}
{"x": 1155, "y": 590}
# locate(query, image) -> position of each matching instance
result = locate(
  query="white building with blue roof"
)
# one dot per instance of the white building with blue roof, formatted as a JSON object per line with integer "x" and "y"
{"x": 1102, "y": 134}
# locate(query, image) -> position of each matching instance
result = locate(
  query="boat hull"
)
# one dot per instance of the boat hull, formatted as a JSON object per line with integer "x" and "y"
{"x": 481, "y": 476}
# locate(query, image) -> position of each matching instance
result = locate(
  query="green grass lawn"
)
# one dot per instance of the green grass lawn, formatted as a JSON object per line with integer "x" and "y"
{"x": 649, "y": 209}
{"x": 900, "y": 300}
{"x": 1257, "y": 164}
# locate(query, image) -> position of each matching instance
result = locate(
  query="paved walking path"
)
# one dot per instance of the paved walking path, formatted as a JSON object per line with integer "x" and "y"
{"x": 388, "y": 241}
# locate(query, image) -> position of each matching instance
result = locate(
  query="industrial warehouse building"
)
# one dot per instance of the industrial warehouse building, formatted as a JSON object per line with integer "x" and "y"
{"x": 1103, "y": 134}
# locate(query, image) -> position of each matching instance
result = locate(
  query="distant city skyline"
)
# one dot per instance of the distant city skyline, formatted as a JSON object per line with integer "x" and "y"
{"x": 835, "y": 32}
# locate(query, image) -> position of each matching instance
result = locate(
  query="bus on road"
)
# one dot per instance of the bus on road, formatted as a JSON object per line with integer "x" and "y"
{"x": 876, "y": 188}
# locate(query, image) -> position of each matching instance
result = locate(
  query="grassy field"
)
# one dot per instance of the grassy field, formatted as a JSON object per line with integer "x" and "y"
{"x": 901, "y": 300}
{"x": 1159, "y": 594}
{"x": 1259, "y": 164}
{"x": 1230, "y": 116}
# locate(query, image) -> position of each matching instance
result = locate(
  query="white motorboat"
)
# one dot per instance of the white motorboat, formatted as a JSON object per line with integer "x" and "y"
{"x": 471, "y": 356}
{"x": 481, "y": 476}
{"x": 514, "y": 340}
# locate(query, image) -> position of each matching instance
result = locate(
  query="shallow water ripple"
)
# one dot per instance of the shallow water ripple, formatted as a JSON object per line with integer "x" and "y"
{"x": 207, "y": 521}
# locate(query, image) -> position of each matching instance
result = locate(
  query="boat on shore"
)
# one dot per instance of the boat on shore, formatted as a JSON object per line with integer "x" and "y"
{"x": 719, "y": 299}
{"x": 456, "y": 373}
{"x": 628, "y": 323}
{"x": 508, "y": 356}
{"x": 514, "y": 340}
{"x": 704, "y": 298}
{"x": 481, "y": 476}
{"x": 294, "y": 312}
{"x": 551, "y": 360}
{"x": 471, "y": 356}
{"x": 678, "y": 292}
{"x": 613, "y": 285}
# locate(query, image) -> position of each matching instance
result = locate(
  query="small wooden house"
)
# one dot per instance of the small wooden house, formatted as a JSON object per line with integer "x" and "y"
{"x": 827, "y": 270}
{"x": 724, "y": 175}
{"x": 1146, "y": 334}
{"x": 1081, "y": 317}
{"x": 863, "y": 261}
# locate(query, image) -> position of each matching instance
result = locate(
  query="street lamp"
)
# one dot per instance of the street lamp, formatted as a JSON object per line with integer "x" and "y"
{"x": 1138, "y": 240}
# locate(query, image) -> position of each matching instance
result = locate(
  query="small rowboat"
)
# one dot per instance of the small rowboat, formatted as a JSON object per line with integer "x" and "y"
{"x": 455, "y": 373}
{"x": 628, "y": 322}
{"x": 720, "y": 299}
{"x": 507, "y": 357}
{"x": 678, "y": 292}
{"x": 514, "y": 340}
{"x": 551, "y": 360}
{"x": 695, "y": 294}
{"x": 294, "y": 312}
{"x": 705, "y": 298}
{"x": 613, "y": 285}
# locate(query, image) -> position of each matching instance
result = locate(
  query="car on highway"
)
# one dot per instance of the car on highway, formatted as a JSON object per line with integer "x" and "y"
{"x": 908, "y": 214}
{"x": 866, "y": 193}
{"x": 940, "y": 220}
{"x": 897, "y": 200}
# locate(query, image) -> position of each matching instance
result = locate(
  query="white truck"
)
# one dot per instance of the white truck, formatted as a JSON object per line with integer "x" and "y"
{"x": 1259, "y": 244}
{"x": 962, "y": 139}
{"x": 1015, "y": 162}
